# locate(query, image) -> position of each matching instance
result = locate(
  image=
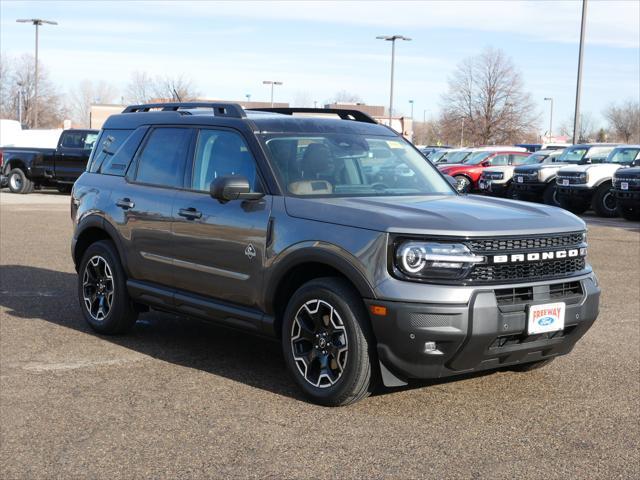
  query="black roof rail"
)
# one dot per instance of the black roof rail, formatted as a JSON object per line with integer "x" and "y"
{"x": 344, "y": 114}
{"x": 220, "y": 109}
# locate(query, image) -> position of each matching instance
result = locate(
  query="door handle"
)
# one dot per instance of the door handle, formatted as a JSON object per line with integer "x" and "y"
{"x": 189, "y": 213}
{"x": 125, "y": 203}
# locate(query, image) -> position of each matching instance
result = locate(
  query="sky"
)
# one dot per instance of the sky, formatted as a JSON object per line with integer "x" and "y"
{"x": 320, "y": 48}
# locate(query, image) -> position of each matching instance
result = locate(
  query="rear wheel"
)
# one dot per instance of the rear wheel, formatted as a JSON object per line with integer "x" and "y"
{"x": 550, "y": 195}
{"x": 18, "y": 182}
{"x": 604, "y": 203}
{"x": 327, "y": 342}
{"x": 102, "y": 290}
{"x": 628, "y": 212}
{"x": 577, "y": 207}
{"x": 64, "y": 188}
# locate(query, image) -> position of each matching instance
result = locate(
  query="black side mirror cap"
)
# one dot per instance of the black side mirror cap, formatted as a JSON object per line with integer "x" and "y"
{"x": 233, "y": 187}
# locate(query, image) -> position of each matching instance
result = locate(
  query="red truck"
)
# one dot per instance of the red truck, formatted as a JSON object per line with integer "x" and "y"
{"x": 468, "y": 173}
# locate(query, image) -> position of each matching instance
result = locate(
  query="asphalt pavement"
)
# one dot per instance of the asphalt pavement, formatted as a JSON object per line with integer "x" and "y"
{"x": 178, "y": 398}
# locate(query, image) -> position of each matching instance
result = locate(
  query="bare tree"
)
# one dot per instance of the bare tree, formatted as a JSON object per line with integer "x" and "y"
{"x": 587, "y": 130}
{"x": 18, "y": 93}
{"x": 84, "y": 95}
{"x": 487, "y": 93}
{"x": 625, "y": 120}
{"x": 344, "y": 96}
{"x": 175, "y": 89}
{"x": 140, "y": 88}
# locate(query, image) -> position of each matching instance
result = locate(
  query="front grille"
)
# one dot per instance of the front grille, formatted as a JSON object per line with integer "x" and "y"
{"x": 523, "y": 244}
{"x": 570, "y": 292}
{"x": 526, "y": 271}
{"x": 493, "y": 176}
{"x": 633, "y": 182}
{"x": 574, "y": 178}
{"x": 528, "y": 176}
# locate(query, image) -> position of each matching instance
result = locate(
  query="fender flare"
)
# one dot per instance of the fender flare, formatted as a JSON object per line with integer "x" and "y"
{"x": 315, "y": 252}
{"x": 96, "y": 221}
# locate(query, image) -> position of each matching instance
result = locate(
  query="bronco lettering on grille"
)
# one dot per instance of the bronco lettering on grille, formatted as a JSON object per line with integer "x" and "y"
{"x": 539, "y": 256}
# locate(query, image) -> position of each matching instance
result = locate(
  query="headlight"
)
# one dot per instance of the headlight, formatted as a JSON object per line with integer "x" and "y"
{"x": 583, "y": 178}
{"x": 431, "y": 260}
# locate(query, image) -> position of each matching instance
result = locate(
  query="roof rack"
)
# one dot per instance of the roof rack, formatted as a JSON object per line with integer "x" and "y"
{"x": 344, "y": 114}
{"x": 220, "y": 109}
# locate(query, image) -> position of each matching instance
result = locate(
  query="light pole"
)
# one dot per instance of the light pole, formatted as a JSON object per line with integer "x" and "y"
{"x": 411, "y": 103}
{"x": 315, "y": 104}
{"x": 462, "y": 133}
{"x": 392, "y": 39}
{"x": 37, "y": 22}
{"x": 424, "y": 116}
{"x": 576, "y": 115}
{"x": 248, "y": 95}
{"x": 272, "y": 83}
{"x": 549, "y": 99}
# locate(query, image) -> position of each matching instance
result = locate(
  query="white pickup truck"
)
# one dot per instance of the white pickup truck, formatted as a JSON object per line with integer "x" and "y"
{"x": 581, "y": 186}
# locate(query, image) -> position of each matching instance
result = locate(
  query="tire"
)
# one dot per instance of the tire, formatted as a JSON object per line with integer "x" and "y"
{"x": 346, "y": 376}
{"x": 604, "y": 203}
{"x": 63, "y": 188}
{"x": 464, "y": 183}
{"x": 107, "y": 314}
{"x": 18, "y": 182}
{"x": 550, "y": 195}
{"x": 527, "y": 367}
{"x": 576, "y": 207}
{"x": 628, "y": 213}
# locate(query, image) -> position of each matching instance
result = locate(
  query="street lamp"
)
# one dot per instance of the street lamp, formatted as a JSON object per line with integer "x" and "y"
{"x": 411, "y": 103}
{"x": 549, "y": 99}
{"x": 248, "y": 95}
{"x": 272, "y": 83}
{"x": 576, "y": 115}
{"x": 392, "y": 39}
{"x": 37, "y": 22}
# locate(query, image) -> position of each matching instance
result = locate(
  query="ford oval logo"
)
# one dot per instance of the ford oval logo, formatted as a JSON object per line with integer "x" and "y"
{"x": 546, "y": 321}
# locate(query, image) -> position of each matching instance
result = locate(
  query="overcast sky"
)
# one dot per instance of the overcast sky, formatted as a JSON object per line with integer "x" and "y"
{"x": 319, "y": 48}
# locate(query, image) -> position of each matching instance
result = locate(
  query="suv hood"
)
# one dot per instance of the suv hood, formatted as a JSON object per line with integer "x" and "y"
{"x": 451, "y": 215}
{"x": 542, "y": 166}
{"x": 601, "y": 167}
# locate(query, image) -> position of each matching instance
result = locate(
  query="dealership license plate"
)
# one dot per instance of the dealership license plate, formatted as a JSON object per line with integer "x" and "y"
{"x": 546, "y": 318}
{"x": 624, "y": 186}
{"x": 565, "y": 183}
{"x": 520, "y": 179}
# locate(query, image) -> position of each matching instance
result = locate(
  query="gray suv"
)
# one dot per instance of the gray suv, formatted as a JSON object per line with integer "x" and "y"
{"x": 332, "y": 235}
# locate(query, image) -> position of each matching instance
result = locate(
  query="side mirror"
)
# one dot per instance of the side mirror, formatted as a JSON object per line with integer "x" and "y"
{"x": 636, "y": 163}
{"x": 233, "y": 187}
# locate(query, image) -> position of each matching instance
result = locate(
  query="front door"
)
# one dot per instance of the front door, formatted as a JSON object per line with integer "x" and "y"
{"x": 219, "y": 247}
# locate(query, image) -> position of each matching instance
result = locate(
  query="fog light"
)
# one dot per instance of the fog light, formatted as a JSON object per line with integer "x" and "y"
{"x": 430, "y": 348}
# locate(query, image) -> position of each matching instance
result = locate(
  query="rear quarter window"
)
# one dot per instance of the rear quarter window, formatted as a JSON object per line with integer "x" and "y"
{"x": 106, "y": 146}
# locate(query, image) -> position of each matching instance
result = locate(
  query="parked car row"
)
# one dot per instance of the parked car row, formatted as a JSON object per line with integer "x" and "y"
{"x": 577, "y": 178}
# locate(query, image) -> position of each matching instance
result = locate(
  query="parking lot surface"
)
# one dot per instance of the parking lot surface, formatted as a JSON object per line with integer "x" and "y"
{"x": 178, "y": 398}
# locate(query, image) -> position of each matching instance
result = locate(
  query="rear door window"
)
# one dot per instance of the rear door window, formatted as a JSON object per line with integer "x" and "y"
{"x": 163, "y": 157}
{"x": 501, "y": 159}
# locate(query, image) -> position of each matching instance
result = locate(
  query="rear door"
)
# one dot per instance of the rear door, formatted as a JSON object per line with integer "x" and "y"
{"x": 219, "y": 247}
{"x": 144, "y": 202}
{"x": 72, "y": 154}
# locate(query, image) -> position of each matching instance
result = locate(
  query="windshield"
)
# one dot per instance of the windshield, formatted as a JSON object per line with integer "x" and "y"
{"x": 455, "y": 157}
{"x": 531, "y": 159}
{"x": 572, "y": 155}
{"x": 624, "y": 155}
{"x": 352, "y": 165}
{"x": 478, "y": 157}
{"x": 436, "y": 156}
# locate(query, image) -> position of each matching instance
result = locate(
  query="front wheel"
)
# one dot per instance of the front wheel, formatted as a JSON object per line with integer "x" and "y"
{"x": 102, "y": 290}
{"x": 327, "y": 342}
{"x": 604, "y": 203}
{"x": 464, "y": 184}
{"x": 550, "y": 195}
{"x": 576, "y": 207}
{"x": 628, "y": 212}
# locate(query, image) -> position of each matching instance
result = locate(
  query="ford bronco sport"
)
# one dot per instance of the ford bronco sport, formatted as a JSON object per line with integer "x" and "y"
{"x": 333, "y": 235}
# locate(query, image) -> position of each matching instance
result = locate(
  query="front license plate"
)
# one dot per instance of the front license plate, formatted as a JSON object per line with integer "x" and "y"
{"x": 546, "y": 318}
{"x": 520, "y": 179}
{"x": 483, "y": 185}
{"x": 624, "y": 186}
{"x": 565, "y": 183}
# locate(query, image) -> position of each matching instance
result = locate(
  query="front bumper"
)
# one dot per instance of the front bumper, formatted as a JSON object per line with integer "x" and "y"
{"x": 479, "y": 335}
{"x": 530, "y": 188}
{"x": 583, "y": 192}
{"x": 627, "y": 197}
{"x": 499, "y": 187}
